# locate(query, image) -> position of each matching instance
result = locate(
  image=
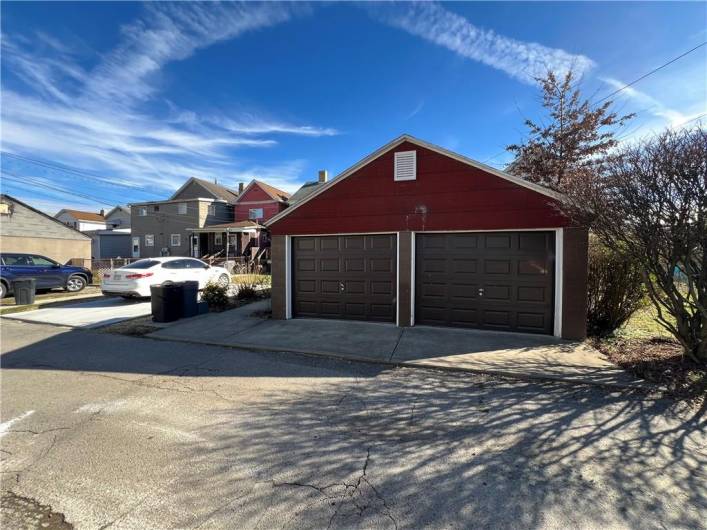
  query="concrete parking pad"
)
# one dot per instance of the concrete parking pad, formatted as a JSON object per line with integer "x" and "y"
{"x": 514, "y": 354}
{"x": 238, "y": 326}
{"x": 511, "y": 354}
{"x": 93, "y": 314}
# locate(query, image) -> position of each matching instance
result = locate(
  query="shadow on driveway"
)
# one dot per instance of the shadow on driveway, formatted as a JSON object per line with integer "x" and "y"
{"x": 417, "y": 451}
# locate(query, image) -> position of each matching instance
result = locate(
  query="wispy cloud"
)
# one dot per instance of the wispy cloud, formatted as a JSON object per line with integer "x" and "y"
{"x": 521, "y": 60}
{"x": 101, "y": 119}
{"x": 668, "y": 116}
{"x": 414, "y": 112}
{"x": 286, "y": 175}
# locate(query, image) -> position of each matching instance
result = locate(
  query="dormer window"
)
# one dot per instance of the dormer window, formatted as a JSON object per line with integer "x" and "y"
{"x": 405, "y": 165}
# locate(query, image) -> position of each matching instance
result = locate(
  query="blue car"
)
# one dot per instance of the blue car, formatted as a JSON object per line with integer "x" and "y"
{"x": 48, "y": 273}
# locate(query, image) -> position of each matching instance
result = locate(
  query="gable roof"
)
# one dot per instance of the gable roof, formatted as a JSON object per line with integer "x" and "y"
{"x": 274, "y": 193}
{"x": 80, "y": 215}
{"x": 304, "y": 191}
{"x": 6, "y": 197}
{"x": 126, "y": 209}
{"x": 421, "y": 143}
{"x": 218, "y": 191}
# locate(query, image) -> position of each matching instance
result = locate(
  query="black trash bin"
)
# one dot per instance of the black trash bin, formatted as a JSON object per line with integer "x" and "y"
{"x": 190, "y": 306}
{"x": 167, "y": 301}
{"x": 24, "y": 291}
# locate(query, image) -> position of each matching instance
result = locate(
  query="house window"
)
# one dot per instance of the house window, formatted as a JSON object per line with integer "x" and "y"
{"x": 212, "y": 209}
{"x": 157, "y": 207}
{"x": 175, "y": 240}
{"x": 182, "y": 208}
{"x": 255, "y": 213}
{"x": 149, "y": 240}
{"x": 218, "y": 240}
{"x": 405, "y": 167}
{"x": 142, "y": 212}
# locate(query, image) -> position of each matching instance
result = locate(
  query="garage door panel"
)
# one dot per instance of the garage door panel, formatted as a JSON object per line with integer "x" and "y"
{"x": 464, "y": 317}
{"x": 381, "y": 264}
{"x": 514, "y": 269}
{"x": 532, "y": 241}
{"x": 465, "y": 266}
{"x": 353, "y": 277}
{"x": 381, "y": 242}
{"x": 459, "y": 291}
{"x": 354, "y": 264}
{"x": 532, "y": 294}
{"x": 531, "y": 321}
{"x": 383, "y": 288}
{"x": 497, "y": 266}
{"x": 497, "y": 292}
{"x": 498, "y": 241}
{"x": 328, "y": 243}
{"x": 532, "y": 267}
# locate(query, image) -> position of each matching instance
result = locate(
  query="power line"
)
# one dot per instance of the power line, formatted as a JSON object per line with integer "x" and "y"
{"x": 75, "y": 171}
{"x": 652, "y": 72}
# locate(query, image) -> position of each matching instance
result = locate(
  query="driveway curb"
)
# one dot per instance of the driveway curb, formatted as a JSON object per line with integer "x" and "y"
{"x": 638, "y": 385}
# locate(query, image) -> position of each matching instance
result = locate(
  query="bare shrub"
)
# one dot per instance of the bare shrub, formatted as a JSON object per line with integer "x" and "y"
{"x": 615, "y": 289}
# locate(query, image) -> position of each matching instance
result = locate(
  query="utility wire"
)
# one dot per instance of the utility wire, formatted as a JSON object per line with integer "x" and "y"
{"x": 75, "y": 171}
{"x": 652, "y": 71}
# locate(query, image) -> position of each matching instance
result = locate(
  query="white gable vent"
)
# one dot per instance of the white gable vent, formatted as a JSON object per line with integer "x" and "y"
{"x": 405, "y": 165}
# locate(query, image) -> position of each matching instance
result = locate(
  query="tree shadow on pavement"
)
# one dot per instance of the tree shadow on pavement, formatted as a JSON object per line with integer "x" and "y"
{"x": 410, "y": 449}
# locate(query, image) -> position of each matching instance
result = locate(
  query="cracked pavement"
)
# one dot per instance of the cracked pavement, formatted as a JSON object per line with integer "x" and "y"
{"x": 108, "y": 431}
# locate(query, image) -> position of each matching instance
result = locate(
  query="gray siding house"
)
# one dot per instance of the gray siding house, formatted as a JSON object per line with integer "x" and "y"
{"x": 27, "y": 230}
{"x": 166, "y": 228}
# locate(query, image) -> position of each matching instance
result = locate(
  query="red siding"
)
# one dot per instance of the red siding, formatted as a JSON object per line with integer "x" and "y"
{"x": 255, "y": 193}
{"x": 447, "y": 195}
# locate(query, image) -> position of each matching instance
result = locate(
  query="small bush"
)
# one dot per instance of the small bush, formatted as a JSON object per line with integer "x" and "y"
{"x": 248, "y": 285}
{"x": 215, "y": 295}
{"x": 615, "y": 288}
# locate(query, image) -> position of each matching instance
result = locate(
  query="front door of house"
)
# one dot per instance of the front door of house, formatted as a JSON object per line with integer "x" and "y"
{"x": 136, "y": 247}
{"x": 195, "y": 246}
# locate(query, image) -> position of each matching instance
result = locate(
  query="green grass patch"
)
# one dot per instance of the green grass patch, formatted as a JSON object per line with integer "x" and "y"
{"x": 644, "y": 324}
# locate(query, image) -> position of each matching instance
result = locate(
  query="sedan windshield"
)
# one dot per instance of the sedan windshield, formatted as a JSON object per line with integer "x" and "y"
{"x": 142, "y": 264}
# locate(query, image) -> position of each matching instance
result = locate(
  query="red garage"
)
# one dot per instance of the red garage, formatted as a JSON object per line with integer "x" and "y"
{"x": 414, "y": 234}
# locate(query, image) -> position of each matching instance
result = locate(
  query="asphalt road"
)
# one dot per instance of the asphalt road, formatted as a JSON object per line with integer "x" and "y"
{"x": 104, "y": 430}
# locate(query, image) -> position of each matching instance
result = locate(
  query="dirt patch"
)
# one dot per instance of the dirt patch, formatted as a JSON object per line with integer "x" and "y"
{"x": 136, "y": 327}
{"x": 659, "y": 360}
{"x": 23, "y": 513}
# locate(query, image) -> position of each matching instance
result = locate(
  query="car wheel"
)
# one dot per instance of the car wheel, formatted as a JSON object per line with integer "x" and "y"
{"x": 75, "y": 284}
{"x": 3, "y": 290}
{"x": 223, "y": 280}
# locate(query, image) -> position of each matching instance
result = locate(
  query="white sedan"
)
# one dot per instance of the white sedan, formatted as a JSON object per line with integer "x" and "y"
{"x": 134, "y": 280}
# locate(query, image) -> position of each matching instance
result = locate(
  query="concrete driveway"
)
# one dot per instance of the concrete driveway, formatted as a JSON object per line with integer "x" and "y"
{"x": 122, "y": 432}
{"x": 512, "y": 354}
{"x": 95, "y": 313}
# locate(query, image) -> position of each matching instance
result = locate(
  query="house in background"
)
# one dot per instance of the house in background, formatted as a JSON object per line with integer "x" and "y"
{"x": 165, "y": 228}
{"x": 245, "y": 236}
{"x": 118, "y": 217}
{"x": 82, "y": 221}
{"x": 109, "y": 232}
{"x": 26, "y": 230}
{"x": 308, "y": 188}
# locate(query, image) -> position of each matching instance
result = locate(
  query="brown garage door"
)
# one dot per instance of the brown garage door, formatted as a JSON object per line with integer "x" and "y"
{"x": 494, "y": 280}
{"x": 348, "y": 277}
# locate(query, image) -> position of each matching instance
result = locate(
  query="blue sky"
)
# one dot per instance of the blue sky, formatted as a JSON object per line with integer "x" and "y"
{"x": 140, "y": 97}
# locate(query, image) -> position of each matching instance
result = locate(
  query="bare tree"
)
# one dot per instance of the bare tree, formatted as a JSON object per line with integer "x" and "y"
{"x": 650, "y": 202}
{"x": 577, "y": 136}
